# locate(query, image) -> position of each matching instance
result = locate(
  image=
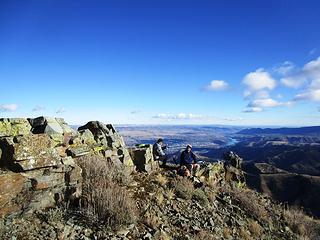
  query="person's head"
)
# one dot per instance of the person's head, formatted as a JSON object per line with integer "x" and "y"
{"x": 189, "y": 148}
{"x": 160, "y": 141}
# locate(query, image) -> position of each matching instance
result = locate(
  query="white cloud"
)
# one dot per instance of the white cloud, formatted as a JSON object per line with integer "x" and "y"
{"x": 311, "y": 95}
{"x": 180, "y": 116}
{"x": 307, "y": 75}
{"x": 259, "y": 80}
{"x": 267, "y": 103}
{"x": 217, "y": 85}
{"x": 231, "y": 119}
{"x": 61, "y": 110}
{"x": 262, "y": 94}
{"x": 252, "y": 109}
{"x": 296, "y": 81}
{"x": 8, "y": 107}
{"x": 38, "y": 108}
{"x": 285, "y": 68}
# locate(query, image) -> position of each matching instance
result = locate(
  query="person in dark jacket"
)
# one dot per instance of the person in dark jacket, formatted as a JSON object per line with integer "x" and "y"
{"x": 189, "y": 160}
{"x": 158, "y": 152}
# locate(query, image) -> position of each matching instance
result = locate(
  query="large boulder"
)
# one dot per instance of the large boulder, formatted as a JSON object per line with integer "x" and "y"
{"x": 56, "y": 128}
{"x": 142, "y": 157}
{"x": 29, "y": 152}
{"x": 104, "y": 134}
{"x": 14, "y": 127}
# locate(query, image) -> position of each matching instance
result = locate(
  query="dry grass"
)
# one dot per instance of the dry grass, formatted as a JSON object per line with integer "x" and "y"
{"x": 103, "y": 198}
{"x": 255, "y": 229}
{"x": 184, "y": 188}
{"x": 244, "y": 234}
{"x": 300, "y": 223}
{"x": 204, "y": 235}
{"x": 170, "y": 194}
{"x": 211, "y": 196}
{"x": 248, "y": 200}
{"x": 159, "y": 198}
{"x": 226, "y": 233}
{"x": 95, "y": 165}
{"x": 151, "y": 220}
{"x": 161, "y": 180}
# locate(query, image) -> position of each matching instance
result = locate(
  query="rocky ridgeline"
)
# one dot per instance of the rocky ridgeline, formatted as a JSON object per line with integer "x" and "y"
{"x": 38, "y": 160}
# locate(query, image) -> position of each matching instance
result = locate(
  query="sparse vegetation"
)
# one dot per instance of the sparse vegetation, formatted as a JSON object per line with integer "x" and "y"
{"x": 255, "y": 229}
{"x": 184, "y": 188}
{"x": 200, "y": 196}
{"x": 300, "y": 223}
{"x": 248, "y": 201}
{"x": 103, "y": 198}
{"x": 161, "y": 180}
{"x": 204, "y": 235}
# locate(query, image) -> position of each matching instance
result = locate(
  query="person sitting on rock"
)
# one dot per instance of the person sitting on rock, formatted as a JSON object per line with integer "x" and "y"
{"x": 158, "y": 152}
{"x": 189, "y": 160}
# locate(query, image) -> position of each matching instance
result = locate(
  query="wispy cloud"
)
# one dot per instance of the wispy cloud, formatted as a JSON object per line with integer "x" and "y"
{"x": 8, "y": 107}
{"x": 61, "y": 110}
{"x": 217, "y": 85}
{"x": 180, "y": 116}
{"x": 285, "y": 68}
{"x": 252, "y": 110}
{"x": 38, "y": 108}
{"x": 135, "y": 112}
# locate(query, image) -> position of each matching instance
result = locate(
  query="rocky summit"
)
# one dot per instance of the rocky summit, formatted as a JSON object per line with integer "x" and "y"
{"x": 59, "y": 183}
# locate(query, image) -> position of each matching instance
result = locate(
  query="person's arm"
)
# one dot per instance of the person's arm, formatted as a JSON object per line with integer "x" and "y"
{"x": 195, "y": 159}
{"x": 182, "y": 158}
{"x": 160, "y": 151}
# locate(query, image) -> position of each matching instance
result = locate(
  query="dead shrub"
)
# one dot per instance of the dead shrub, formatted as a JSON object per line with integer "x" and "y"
{"x": 247, "y": 200}
{"x": 103, "y": 198}
{"x": 184, "y": 188}
{"x": 204, "y": 235}
{"x": 244, "y": 234}
{"x": 226, "y": 233}
{"x": 200, "y": 196}
{"x": 255, "y": 228}
{"x": 96, "y": 165}
{"x": 302, "y": 224}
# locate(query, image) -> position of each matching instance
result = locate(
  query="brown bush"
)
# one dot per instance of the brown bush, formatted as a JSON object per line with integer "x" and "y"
{"x": 103, "y": 198}
{"x": 249, "y": 201}
{"x": 95, "y": 165}
{"x": 184, "y": 188}
{"x": 204, "y": 235}
{"x": 302, "y": 224}
{"x": 255, "y": 228}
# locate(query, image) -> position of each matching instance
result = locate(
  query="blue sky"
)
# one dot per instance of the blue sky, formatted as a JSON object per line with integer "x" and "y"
{"x": 161, "y": 62}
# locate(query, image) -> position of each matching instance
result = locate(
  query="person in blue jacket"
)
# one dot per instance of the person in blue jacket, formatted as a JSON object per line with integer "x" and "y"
{"x": 189, "y": 160}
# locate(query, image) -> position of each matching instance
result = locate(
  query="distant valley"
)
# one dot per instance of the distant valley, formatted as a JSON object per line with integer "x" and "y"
{"x": 281, "y": 162}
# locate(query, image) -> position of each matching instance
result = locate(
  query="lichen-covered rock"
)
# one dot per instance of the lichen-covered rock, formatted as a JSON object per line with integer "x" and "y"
{"x": 35, "y": 151}
{"x": 56, "y": 128}
{"x": 14, "y": 127}
{"x": 11, "y": 185}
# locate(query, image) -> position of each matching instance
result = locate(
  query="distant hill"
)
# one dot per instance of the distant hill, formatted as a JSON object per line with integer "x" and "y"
{"x": 295, "y": 189}
{"x": 315, "y": 130}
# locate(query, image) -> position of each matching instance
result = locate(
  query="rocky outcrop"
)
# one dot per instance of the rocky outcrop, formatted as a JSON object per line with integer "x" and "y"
{"x": 38, "y": 160}
{"x": 142, "y": 157}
